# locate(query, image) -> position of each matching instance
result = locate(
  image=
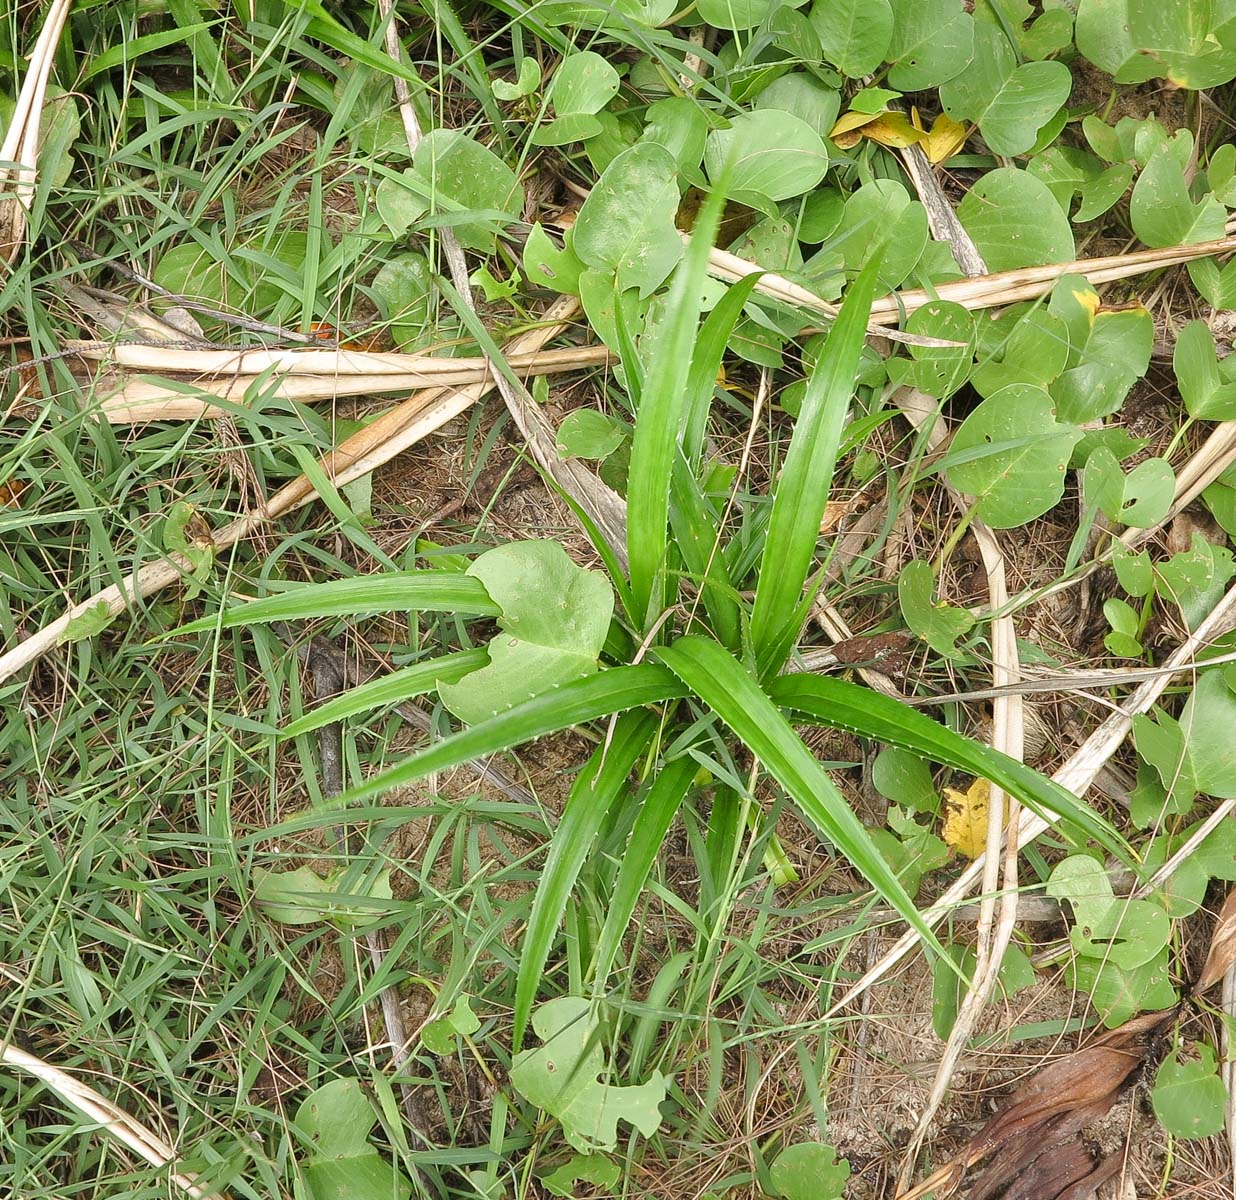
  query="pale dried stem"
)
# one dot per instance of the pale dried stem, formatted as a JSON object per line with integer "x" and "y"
{"x": 1008, "y": 713}
{"x": 139, "y": 400}
{"x": 377, "y": 443}
{"x": 1008, "y": 736}
{"x": 108, "y": 1116}
{"x": 21, "y": 140}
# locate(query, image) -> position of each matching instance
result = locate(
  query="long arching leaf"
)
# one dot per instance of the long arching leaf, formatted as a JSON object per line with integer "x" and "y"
{"x": 597, "y": 786}
{"x": 394, "y": 688}
{"x": 838, "y": 704}
{"x": 395, "y": 591}
{"x": 730, "y": 690}
{"x": 599, "y": 695}
{"x": 664, "y": 799}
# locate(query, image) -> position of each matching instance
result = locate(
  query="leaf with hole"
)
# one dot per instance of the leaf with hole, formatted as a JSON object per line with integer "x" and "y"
{"x": 932, "y": 42}
{"x": 626, "y": 226}
{"x": 1188, "y": 1096}
{"x": 1015, "y": 454}
{"x": 343, "y": 1164}
{"x": 937, "y": 370}
{"x": 553, "y": 622}
{"x": 1140, "y": 499}
{"x": 1015, "y": 221}
{"x": 470, "y": 187}
{"x": 1124, "y": 932}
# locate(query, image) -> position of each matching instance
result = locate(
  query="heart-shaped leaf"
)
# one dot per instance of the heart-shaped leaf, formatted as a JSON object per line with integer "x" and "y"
{"x": 854, "y": 34}
{"x": 1015, "y": 221}
{"x": 1163, "y": 213}
{"x": 1014, "y": 455}
{"x": 626, "y": 226}
{"x": 1206, "y": 395}
{"x": 776, "y": 154}
{"x": 1188, "y": 1096}
{"x": 1009, "y": 102}
{"x": 933, "y": 41}
{"x": 555, "y": 616}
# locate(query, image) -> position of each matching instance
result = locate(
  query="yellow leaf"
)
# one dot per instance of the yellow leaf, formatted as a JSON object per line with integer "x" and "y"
{"x": 845, "y": 132}
{"x": 892, "y": 129}
{"x": 965, "y": 818}
{"x": 945, "y": 138}
{"x": 1088, "y": 298}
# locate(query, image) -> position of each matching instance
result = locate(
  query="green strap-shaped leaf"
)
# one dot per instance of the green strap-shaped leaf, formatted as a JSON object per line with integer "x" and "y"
{"x": 596, "y": 788}
{"x": 838, "y": 704}
{"x": 726, "y": 686}
{"x": 394, "y": 688}
{"x": 599, "y": 695}
{"x": 397, "y": 591}
{"x": 659, "y": 423}
{"x": 802, "y": 489}
{"x": 656, "y": 813}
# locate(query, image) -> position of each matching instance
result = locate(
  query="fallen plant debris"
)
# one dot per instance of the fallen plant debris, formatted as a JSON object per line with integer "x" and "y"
{"x": 1222, "y": 955}
{"x": 1033, "y": 1146}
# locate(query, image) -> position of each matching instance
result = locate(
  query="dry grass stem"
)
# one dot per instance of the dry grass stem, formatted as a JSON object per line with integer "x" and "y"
{"x": 108, "y": 1116}
{"x": 139, "y": 400}
{"x": 21, "y": 140}
{"x": 377, "y": 443}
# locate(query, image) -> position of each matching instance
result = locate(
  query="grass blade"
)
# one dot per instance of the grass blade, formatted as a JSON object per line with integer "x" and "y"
{"x": 659, "y": 422}
{"x": 599, "y": 695}
{"x": 394, "y": 591}
{"x": 656, "y": 813}
{"x": 603, "y": 778}
{"x": 710, "y": 347}
{"x": 838, "y": 704}
{"x": 806, "y": 477}
{"x": 394, "y": 688}
{"x": 730, "y": 690}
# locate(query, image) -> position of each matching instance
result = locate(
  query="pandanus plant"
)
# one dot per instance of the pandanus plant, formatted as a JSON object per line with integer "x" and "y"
{"x": 687, "y": 640}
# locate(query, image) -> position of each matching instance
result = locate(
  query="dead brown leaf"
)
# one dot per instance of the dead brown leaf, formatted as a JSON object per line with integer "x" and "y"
{"x": 1222, "y": 954}
{"x": 1033, "y": 1142}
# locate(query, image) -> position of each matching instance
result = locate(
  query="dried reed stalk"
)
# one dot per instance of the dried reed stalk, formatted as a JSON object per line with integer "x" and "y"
{"x": 388, "y": 435}
{"x": 108, "y": 1116}
{"x": 21, "y": 141}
